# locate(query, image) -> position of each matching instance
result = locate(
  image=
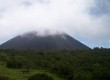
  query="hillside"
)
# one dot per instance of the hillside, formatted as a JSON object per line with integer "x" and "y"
{"x": 60, "y": 65}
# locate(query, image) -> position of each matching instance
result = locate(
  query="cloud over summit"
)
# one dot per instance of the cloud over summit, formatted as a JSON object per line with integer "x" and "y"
{"x": 87, "y": 18}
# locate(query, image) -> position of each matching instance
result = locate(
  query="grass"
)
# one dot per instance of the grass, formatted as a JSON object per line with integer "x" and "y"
{"x": 17, "y": 74}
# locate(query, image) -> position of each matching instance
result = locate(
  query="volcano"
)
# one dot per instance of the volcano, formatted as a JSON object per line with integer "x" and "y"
{"x": 33, "y": 41}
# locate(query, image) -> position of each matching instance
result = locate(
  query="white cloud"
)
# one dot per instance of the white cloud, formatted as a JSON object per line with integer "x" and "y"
{"x": 71, "y": 16}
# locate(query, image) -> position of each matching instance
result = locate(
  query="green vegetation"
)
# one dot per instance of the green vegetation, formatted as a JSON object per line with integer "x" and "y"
{"x": 40, "y": 77}
{"x": 55, "y": 65}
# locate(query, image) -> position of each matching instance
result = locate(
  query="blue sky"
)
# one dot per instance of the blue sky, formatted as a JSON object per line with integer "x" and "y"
{"x": 86, "y": 20}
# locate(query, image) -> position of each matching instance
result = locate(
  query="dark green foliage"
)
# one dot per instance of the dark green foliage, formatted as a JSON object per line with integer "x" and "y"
{"x": 72, "y": 65}
{"x": 82, "y": 75}
{"x": 4, "y": 78}
{"x": 100, "y": 72}
{"x": 63, "y": 71}
{"x": 40, "y": 77}
{"x": 3, "y": 57}
{"x": 15, "y": 62}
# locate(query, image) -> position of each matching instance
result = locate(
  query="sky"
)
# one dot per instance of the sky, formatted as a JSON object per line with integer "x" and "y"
{"x": 85, "y": 20}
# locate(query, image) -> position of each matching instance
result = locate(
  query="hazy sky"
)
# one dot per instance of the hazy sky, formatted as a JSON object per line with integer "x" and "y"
{"x": 86, "y": 20}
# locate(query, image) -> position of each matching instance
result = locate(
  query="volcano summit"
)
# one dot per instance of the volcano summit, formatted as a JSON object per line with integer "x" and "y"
{"x": 34, "y": 41}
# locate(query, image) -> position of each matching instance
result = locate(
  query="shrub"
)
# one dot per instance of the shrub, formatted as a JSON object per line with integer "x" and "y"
{"x": 3, "y": 78}
{"x": 40, "y": 77}
{"x": 63, "y": 71}
{"x": 15, "y": 62}
{"x": 100, "y": 72}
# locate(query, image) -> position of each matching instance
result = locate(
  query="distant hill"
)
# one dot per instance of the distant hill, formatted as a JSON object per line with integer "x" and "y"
{"x": 33, "y": 41}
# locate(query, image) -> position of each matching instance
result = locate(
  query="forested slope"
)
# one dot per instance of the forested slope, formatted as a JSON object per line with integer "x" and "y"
{"x": 60, "y": 65}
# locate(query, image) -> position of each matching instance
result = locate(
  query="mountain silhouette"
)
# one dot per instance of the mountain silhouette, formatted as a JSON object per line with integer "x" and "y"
{"x": 33, "y": 41}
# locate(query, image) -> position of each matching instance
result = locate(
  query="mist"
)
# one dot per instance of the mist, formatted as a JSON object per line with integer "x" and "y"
{"x": 86, "y": 20}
